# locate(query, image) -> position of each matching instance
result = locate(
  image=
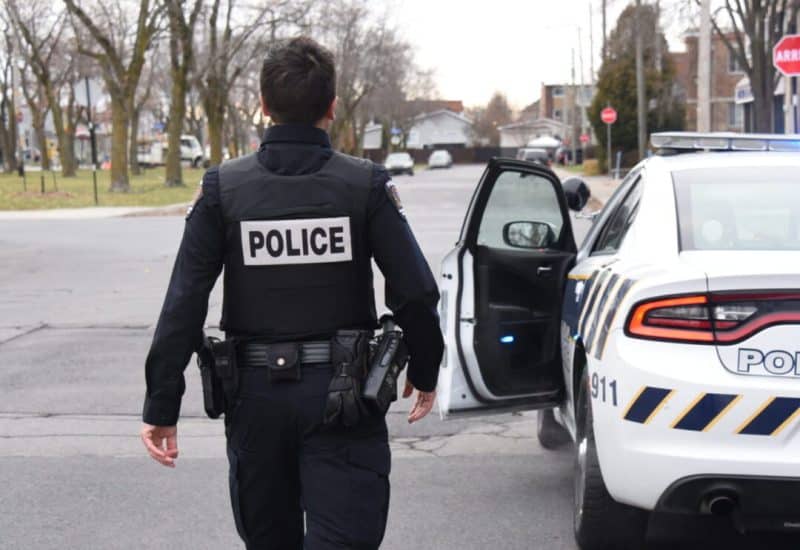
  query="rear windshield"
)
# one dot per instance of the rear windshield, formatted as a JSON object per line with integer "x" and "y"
{"x": 739, "y": 208}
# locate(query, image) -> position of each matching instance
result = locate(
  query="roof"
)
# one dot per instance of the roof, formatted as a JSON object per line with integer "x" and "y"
{"x": 432, "y": 105}
{"x": 447, "y": 112}
{"x": 530, "y": 123}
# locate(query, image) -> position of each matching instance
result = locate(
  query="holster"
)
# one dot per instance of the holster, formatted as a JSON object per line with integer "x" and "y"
{"x": 349, "y": 356}
{"x": 219, "y": 374}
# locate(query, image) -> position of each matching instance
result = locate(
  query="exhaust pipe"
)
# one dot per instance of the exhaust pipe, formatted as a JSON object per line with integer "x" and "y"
{"x": 720, "y": 503}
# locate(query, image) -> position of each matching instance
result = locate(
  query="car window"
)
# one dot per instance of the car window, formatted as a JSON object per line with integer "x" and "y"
{"x": 518, "y": 196}
{"x": 738, "y": 208}
{"x": 616, "y": 227}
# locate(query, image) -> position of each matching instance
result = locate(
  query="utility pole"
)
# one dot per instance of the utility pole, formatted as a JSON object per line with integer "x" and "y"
{"x": 788, "y": 90}
{"x": 704, "y": 69}
{"x": 582, "y": 103}
{"x": 591, "y": 46}
{"x": 641, "y": 101}
{"x": 574, "y": 111}
{"x": 795, "y": 86}
{"x": 605, "y": 45}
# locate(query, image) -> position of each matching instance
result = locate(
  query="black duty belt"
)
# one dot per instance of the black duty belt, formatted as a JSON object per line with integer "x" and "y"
{"x": 254, "y": 354}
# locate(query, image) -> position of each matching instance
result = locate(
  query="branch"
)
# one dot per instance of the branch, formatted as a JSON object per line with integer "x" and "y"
{"x": 111, "y": 55}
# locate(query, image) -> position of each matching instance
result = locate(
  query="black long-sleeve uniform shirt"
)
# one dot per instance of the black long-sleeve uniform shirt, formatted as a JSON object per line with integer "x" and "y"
{"x": 411, "y": 291}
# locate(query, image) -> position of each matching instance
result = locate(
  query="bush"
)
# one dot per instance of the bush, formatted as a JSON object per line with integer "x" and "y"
{"x": 591, "y": 167}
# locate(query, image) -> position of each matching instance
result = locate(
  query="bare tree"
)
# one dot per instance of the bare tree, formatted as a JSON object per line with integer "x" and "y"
{"x": 36, "y": 99}
{"x": 750, "y": 29}
{"x": 369, "y": 53}
{"x": 231, "y": 48}
{"x": 119, "y": 48}
{"x": 142, "y": 99}
{"x": 181, "y": 50}
{"x": 41, "y": 37}
{"x": 8, "y": 108}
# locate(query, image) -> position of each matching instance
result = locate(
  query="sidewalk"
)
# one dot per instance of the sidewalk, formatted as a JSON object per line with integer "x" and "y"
{"x": 94, "y": 212}
{"x": 602, "y": 186}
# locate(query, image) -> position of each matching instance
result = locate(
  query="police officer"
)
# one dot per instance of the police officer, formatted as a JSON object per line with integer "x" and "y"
{"x": 296, "y": 225}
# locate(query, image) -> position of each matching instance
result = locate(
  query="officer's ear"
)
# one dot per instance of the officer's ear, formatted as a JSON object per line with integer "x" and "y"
{"x": 330, "y": 114}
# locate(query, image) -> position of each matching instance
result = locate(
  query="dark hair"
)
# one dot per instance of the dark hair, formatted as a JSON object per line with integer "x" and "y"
{"x": 298, "y": 81}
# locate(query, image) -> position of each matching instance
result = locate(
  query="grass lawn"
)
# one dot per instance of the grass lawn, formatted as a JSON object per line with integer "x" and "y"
{"x": 574, "y": 168}
{"x": 147, "y": 189}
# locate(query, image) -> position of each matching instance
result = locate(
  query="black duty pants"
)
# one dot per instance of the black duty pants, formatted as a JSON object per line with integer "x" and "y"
{"x": 283, "y": 463}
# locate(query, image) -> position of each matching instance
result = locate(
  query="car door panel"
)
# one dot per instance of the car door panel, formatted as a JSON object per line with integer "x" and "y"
{"x": 503, "y": 325}
{"x": 518, "y": 302}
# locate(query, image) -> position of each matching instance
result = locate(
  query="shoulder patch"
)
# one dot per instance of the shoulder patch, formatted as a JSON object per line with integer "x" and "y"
{"x": 197, "y": 196}
{"x": 394, "y": 197}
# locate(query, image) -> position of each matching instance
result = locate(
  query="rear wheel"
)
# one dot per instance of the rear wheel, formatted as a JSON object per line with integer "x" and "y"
{"x": 601, "y": 523}
{"x": 550, "y": 433}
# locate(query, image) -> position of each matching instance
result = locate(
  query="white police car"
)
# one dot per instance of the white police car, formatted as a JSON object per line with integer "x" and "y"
{"x": 669, "y": 343}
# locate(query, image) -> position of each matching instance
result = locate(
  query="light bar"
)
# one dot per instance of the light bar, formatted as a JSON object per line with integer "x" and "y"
{"x": 725, "y": 141}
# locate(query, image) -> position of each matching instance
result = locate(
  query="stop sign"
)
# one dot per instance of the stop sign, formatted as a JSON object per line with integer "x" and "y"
{"x": 786, "y": 55}
{"x": 608, "y": 115}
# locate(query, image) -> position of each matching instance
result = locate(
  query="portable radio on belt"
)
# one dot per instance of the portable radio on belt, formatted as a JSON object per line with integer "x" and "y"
{"x": 388, "y": 358}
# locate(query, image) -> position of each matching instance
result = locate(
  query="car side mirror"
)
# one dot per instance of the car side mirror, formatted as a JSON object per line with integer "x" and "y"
{"x": 577, "y": 193}
{"x": 524, "y": 234}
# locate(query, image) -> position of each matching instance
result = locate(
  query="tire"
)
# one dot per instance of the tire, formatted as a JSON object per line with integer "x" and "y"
{"x": 550, "y": 433}
{"x": 196, "y": 162}
{"x": 600, "y": 522}
{"x": 411, "y": 172}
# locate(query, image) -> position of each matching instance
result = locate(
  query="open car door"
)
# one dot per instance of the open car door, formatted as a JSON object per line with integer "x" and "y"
{"x": 502, "y": 288}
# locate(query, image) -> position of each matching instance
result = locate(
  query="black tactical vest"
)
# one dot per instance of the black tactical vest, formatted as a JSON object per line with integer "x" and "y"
{"x": 297, "y": 259}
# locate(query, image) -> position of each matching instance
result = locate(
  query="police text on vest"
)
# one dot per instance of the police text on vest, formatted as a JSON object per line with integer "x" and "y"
{"x": 283, "y": 242}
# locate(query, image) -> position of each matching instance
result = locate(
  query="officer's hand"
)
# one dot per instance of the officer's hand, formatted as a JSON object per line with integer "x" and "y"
{"x": 161, "y": 442}
{"x": 423, "y": 405}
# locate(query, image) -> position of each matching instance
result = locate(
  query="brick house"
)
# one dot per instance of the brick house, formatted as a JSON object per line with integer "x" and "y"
{"x": 726, "y": 114}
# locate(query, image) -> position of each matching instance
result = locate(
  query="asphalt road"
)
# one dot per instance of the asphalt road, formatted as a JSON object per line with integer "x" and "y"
{"x": 78, "y": 301}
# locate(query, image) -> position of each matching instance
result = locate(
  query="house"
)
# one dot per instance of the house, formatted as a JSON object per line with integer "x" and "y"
{"x": 559, "y": 112}
{"x": 727, "y": 112}
{"x": 518, "y": 134}
{"x": 373, "y": 137}
{"x": 442, "y": 128}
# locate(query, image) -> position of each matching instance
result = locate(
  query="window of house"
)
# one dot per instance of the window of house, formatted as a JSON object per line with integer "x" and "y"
{"x": 733, "y": 64}
{"x": 558, "y": 91}
{"x": 557, "y": 114}
{"x": 734, "y": 115}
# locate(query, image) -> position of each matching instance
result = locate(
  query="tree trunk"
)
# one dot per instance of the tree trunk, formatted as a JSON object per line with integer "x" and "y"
{"x": 133, "y": 145}
{"x": 41, "y": 138}
{"x": 177, "y": 110}
{"x": 216, "y": 118}
{"x": 119, "y": 146}
{"x": 66, "y": 154}
{"x": 8, "y": 139}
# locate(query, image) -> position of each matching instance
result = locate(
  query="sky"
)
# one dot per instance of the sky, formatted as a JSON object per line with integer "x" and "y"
{"x": 476, "y": 47}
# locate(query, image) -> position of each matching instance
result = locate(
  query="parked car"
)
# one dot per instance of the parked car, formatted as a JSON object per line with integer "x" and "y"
{"x": 31, "y": 154}
{"x": 534, "y": 154}
{"x": 154, "y": 152}
{"x": 400, "y": 163}
{"x": 440, "y": 159}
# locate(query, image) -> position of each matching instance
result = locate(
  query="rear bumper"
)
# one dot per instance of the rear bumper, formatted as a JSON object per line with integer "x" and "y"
{"x": 681, "y": 417}
{"x": 755, "y": 503}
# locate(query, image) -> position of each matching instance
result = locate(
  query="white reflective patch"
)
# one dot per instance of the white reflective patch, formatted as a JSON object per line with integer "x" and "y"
{"x": 285, "y": 242}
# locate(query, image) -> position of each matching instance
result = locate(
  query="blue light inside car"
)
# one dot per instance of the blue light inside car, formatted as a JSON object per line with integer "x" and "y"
{"x": 508, "y": 339}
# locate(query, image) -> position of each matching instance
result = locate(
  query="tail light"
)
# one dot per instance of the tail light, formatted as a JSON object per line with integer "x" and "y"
{"x": 716, "y": 318}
